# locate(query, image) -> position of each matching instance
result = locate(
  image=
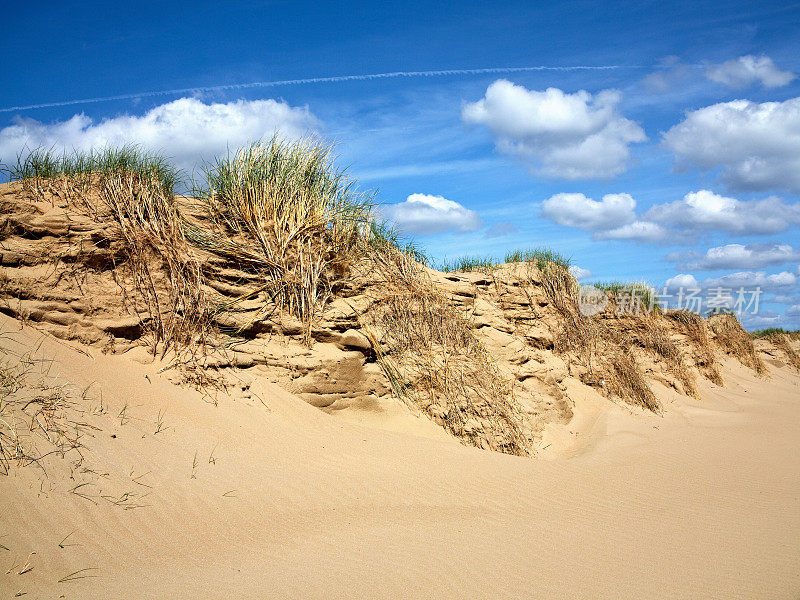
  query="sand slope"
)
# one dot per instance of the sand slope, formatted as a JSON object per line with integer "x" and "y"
{"x": 703, "y": 502}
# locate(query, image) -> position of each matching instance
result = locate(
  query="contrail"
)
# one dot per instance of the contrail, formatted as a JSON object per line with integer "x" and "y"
{"x": 285, "y": 82}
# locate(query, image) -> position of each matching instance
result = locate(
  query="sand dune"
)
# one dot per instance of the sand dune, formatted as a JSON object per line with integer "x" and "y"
{"x": 268, "y": 497}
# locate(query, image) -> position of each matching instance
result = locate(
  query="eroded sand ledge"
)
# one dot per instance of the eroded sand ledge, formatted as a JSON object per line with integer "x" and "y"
{"x": 702, "y": 501}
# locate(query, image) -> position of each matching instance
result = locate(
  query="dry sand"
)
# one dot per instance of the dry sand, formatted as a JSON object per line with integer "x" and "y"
{"x": 702, "y": 502}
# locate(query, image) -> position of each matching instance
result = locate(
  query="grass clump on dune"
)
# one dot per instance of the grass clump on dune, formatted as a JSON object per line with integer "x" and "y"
{"x": 694, "y": 327}
{"x": 381, "y": 236}
{"x": 542, "y": 257}
{"x": 283, "y": 211}
{"x": 605, "y": 358}
{"x": 780, "y": 338}
{"x": 735, "y": 341}
{"x": 468, "y": 263}
{"x": 637, "y": 296}
{"x": 770, "y": 331}
{"x": 134, "y": 189}
{"x": 434, "y": 362}
{"x": 45, "y": 169}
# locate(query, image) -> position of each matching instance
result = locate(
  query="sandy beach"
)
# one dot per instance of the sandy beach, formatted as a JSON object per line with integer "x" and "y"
{"x": 276, "y": 499}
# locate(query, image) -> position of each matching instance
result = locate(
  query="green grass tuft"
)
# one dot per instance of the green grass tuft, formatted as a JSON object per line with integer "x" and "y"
{"x": 43, "y": 164}
{"x": 382, "y": 235}
{"x": 541, "y": 256}
{"x": 636, "y": 291}
{"x": 285, "y": 212}
{"x": 764, "y": 333}
{"x": 468, "y": 263}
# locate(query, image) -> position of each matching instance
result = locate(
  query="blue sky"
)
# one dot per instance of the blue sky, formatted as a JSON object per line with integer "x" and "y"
{"x": 679, "y": 164}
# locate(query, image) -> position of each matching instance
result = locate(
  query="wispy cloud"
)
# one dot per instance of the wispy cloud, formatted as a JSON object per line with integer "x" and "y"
{"x": 311, "y": 80}
{"x": 736, "y": 256}
{"x": 420, "y": 170}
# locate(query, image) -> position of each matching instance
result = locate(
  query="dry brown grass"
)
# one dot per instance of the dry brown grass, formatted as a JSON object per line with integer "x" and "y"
{"x": 624, "y": 379}
{"x": 165, "y": 270}
{"x": 434, "y": 362}
{"x": 694, "y": 327}
{"x": 735, "y": 341}
{"x": 37, "y": 420}
{"x": 595, "y": 344}
{"x": 282, "y": 211}
{"x": 650, "y": 332}
{"x": 135, "y": 191}
{"x": 781, "y": 341}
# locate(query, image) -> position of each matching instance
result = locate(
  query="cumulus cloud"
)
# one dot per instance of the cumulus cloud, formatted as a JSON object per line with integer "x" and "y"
{"x": 741, "y": 279}
{"x": 186, "y": 130}
{"x": 424, "y": 214}
{"x": 747, "y": 70}
{"x": 569, "y": 136}
{"x": 640, "y": 231}
{"x": 706, "y": 210}
{"x": 737, "y": 256}
{"x": 746, "y": 292}
{"x": 576, "y": 210}
{"x": 686, "y": 291}
{"x": 756, "y": 145}
{"x": 614, "y": 217}
{"x": 751, "y": 279}
{"x": 682, "y": 280}
{"x": 580, "y": 273}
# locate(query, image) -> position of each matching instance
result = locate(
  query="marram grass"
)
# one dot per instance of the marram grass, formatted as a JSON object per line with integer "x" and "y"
{"x": 285, "y": 210}
{"x": 43, "y": 165}
{"x": 134, "y": 188}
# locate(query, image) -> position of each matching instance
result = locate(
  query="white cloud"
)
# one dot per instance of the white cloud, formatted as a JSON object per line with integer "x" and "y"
{"x": 614, "y": 217}
{"x": 580, "y": 273}
{"x": 185, "y": 130}
{"x": 641, "y": 231}
{"x": 747, "y": 70}
{"x": 762, "y": 320}
{"x": 682, "y": 280}
{"x": 570, "y": 136}
{"x": 576, "y": 210}
{"x": 424, "y": 214}
{"x": 752, "y": 279}
{"x": 785, "y": 299}
{"x": 757, "y": 145}
{"x": 742, "y": 279}
{"x": 738, "y": 256}
{"x": 706, "y": 210}
{"x": 685, "y": 290}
